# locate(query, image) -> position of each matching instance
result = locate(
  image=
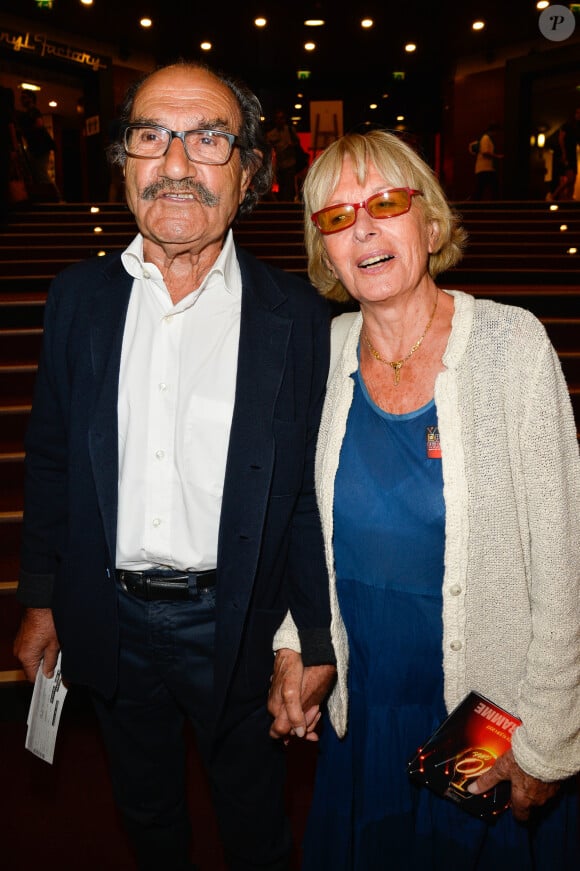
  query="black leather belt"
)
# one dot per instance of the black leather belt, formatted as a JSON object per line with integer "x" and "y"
{"x": 151, "y": 585}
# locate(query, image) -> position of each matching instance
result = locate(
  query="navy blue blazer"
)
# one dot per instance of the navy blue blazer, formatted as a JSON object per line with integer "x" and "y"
{"x": 270, "y": 550}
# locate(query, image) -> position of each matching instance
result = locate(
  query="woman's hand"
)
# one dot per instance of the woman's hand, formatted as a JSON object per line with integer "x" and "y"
{"x": 526, "y": 791}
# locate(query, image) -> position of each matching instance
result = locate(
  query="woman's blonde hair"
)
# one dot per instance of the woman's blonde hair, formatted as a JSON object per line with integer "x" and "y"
{"x": 400, "y": 166}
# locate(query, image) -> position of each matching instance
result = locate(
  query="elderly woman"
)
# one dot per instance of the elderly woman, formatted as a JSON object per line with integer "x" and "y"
{"x": 448, "y": 482}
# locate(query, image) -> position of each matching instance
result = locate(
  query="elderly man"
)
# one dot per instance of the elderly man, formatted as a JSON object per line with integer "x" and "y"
{"x": 170, "y": 517}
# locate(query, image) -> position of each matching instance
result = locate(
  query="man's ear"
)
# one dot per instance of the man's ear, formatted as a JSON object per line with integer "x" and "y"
{"x": 247, "y": 175}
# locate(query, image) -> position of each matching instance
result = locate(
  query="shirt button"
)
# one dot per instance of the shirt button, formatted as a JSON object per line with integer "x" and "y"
{"x": 159, "y": 454}
{"x": 168, "y": 319}
{"x": 163, "y": 386}
{"x": 455, "y": 590}
{"x": 146, "y": 274}
{"x": 455, "y": 646}
{"x": 156, "y": 522}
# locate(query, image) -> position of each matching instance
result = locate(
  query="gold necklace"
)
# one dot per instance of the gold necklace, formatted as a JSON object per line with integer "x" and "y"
{"x": 397, "y": 364}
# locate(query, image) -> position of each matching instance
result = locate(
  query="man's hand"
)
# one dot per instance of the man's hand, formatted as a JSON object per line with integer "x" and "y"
{"x": 296, "y": 694}
{"x": 36, "y": 639}
{"x": 527, "y": 792}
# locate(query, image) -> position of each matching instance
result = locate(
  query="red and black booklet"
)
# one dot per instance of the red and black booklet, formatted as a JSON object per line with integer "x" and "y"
{"x": 462, "y": 748}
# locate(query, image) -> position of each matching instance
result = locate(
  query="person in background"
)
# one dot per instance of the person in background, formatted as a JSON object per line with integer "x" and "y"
{"x": 448, "y": 481}
{"x": 565, "y": 159}
{"x": 486, "y": 165}
{"x": 39, "y": 145}
{"x": 170, "y": 517}
{"x": 282, "y": 137}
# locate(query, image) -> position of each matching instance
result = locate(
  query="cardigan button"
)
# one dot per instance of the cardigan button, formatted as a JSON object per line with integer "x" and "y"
{"x": 455, "y": 590}
{"x": 455, "y": 646}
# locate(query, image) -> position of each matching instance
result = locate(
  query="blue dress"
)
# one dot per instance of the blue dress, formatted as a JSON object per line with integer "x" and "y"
{"x": 366, "y": 815}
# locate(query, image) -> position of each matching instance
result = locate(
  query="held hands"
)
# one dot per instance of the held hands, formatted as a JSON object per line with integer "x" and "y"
{"x": 36, "y": 639}
{"x": 295, "y": 695}
{"x": 526, "y": 791}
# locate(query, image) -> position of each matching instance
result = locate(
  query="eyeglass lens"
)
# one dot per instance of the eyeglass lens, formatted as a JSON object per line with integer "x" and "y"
{"x": 386, "y": 204}
{"x": 204, "y": 146}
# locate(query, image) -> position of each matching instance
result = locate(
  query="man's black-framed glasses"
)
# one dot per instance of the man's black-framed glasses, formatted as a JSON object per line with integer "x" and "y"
{"x": 213, "y": 147}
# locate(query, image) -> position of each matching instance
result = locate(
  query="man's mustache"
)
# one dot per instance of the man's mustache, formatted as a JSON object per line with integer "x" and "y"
{"x": 180, "y": 186}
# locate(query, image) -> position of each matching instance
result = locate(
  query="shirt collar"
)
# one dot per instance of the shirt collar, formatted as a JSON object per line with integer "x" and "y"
{"x": 226, "y": 268}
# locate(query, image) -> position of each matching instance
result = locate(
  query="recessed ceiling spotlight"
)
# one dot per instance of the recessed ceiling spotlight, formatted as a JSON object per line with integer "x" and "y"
{"x": 367, "y": 22}
{"x": 314, "y": 22}
{"x": 478, "y": 25}
{"x": 309, "y": 46}
{"x": 410, "y": 47}
{"x": 205, "y": 46}
{"x": 146, "y": 22}
{"x": 260, "y": 22}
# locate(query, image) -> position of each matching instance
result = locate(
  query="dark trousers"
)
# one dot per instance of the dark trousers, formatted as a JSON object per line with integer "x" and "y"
{"x": 486, "y": 185}
{"x": 166, "y": 675}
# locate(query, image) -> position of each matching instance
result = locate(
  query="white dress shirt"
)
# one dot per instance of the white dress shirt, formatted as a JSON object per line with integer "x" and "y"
{"x": 176, "y": 397}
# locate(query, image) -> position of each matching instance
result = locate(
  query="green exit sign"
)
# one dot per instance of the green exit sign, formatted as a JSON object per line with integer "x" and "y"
{"x": 302, "y": 75}
{"x": 44, "y": 4}
{"x": 399, "y": 76}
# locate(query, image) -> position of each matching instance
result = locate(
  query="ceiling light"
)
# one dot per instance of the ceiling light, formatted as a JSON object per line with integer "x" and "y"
{"x": 53, "y": 104}
{"x": 410, "y": 47}
{"x": 478, "y": 25}
{"x": 314, "y": 22}
{"x": 373, "y": 106}
{"x": 146, "y": 22}
{"x": 367, "y": 22}
{"x": 205, "y": 46}
{"x": 542, "y": 4}
{"x": 309, "y": 46}
{"x": 260, "y": 22}
{"x": 400, "y": 117}
{"x": 87, "y": 2}
{"x": 28, "y": 86}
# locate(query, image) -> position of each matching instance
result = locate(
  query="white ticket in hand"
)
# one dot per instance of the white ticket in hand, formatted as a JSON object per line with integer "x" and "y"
{"x": 44, "y": 714}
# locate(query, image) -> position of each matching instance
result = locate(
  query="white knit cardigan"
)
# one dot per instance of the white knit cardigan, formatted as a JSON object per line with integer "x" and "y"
{"x": 511, "y": 485}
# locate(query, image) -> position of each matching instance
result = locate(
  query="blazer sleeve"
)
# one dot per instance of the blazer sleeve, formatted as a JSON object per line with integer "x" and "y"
{"x": 45, "y": 480}
{"x": 309, "y": 601}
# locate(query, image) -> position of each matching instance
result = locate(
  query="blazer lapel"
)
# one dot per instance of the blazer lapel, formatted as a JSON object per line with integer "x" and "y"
{"x": 107, "y": 325}
{"x": 264, "y": 338}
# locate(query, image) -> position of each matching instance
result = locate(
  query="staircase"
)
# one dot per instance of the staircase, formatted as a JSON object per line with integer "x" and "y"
{"x": 523, "y": 253}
